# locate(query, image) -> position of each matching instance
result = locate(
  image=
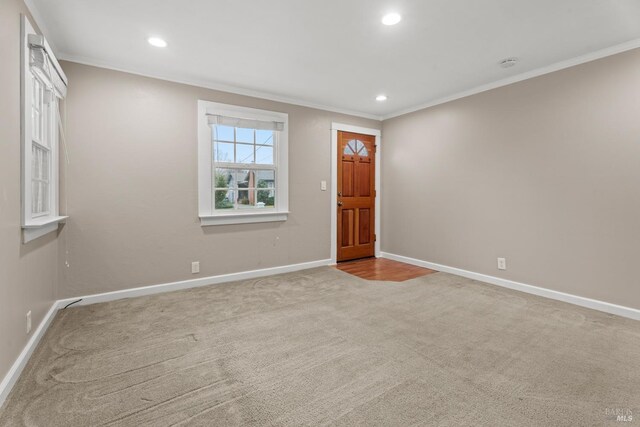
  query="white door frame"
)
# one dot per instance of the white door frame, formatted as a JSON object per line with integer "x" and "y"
{"x": 335, "y": 127}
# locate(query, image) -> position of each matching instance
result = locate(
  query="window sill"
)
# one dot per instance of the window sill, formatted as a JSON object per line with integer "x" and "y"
{"x": 243, "y": 218}
{"x": 39, "y": 227}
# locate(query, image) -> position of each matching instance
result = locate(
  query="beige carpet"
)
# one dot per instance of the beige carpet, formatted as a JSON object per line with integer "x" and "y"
{"x": 323, "y": 347}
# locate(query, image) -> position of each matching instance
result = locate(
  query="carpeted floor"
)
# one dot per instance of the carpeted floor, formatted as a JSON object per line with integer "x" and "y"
{"x": 323, "y": 347}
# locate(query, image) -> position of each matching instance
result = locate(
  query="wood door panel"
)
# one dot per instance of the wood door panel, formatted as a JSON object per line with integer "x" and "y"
{"x": 347, "y": 179}
{"x": 348, "y": 228}
{"x": 359, "y": 202}
{"x": 362, "y": 178}
{"x": 364, "y": 224}
{"x": 356, "y": 196}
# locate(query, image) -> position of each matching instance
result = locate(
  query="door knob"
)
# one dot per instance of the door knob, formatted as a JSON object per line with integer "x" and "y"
{"x": 339, "y": 203}
{"x": 339, "y": 194}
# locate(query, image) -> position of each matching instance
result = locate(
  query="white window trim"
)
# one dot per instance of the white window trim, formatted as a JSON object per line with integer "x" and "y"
{"x": 208, "y": 215}
{"x": 36, "y": 226}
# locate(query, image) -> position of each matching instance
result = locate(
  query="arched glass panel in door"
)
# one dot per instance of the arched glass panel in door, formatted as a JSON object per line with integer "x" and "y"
{"x": 355, "y": 147}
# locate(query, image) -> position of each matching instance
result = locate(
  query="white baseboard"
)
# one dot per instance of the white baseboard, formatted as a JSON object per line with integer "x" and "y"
{"x": 192, "y": 283}
{"x": 631, "y": 313}
{"x": 14, "y": 373}
{"x": 12, "y": 376}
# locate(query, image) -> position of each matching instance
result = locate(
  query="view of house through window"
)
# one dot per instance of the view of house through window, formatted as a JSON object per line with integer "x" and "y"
{"x": 244, "y": 168}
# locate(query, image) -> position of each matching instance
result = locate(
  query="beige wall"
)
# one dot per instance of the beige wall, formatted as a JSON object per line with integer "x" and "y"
{"x": 545, "y": 172}
{"x": 132, "y": 187}
{"x": 28, "y": 273}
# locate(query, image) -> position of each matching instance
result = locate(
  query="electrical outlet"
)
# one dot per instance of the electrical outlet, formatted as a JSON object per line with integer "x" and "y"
{"x": 28, "y": 321}
{"x": 195, "y": 267}
{"x": 323, "y": 185}
{"x": 502, "y": 263}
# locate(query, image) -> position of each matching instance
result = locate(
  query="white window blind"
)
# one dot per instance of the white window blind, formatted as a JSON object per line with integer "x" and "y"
{"x": 237, "y": 122}
{"x": 42, "y": 65}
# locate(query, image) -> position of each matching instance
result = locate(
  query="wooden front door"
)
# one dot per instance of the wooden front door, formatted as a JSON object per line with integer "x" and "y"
{"x": 356, "y": 196}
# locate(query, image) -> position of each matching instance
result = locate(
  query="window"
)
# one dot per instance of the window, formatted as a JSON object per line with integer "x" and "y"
{"x": 355, "y": 147}
{"x": 44, "y": 85}
{"x": 242, "y": 164}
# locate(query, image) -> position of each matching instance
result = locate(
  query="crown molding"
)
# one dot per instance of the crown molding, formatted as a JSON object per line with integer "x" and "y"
{"x": 208, "y": 84}
{"x": 578, "y": 60}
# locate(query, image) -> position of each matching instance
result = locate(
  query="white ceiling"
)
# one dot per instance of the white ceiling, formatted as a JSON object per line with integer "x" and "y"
{"x": 336, "y": 53}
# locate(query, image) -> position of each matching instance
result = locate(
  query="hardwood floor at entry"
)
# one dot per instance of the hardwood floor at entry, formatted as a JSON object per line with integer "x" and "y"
{"x": 383, "y": 269}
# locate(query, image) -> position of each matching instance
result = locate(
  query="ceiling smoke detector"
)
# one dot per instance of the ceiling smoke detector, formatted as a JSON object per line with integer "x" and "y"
{"x": 509, "y": 62}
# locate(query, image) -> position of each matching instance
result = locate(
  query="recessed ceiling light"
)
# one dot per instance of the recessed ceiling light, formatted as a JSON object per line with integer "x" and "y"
{"x": 391, "y": 19}
{"x": 509, "y": 62}
{"x": 157, "y": 42}
{"x": 381, "y": 98}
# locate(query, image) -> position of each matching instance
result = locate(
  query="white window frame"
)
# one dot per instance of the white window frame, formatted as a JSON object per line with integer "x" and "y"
{"x": 206, "y": 211}
{"x": 37, "y": 225}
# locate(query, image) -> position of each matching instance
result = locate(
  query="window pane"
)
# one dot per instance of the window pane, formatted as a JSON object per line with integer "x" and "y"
{"x": 246, "y": 198}
{"x": 224, "y": 184}
{"x": 224, "y": 199}
{"x": 265, "y": 192}
{"x": 264, "y": 155}
{"x": 362, "y": 150}
{"x": 266, "y": 198}
{"x": 224, "y": 178}
{"x": 37, "y": 94}
{"x": 45, "y": 166}
{"x": 244, "y": 153}
{"x": 44, "y": 126}
{"x": 39, "y": 179}
{"x": 264, "y": 137}
{"x": 265, "y": 178}
{"x": 223, "y": 133}
{"x": 39, "y": 197}
{"x": 348, "y": 151}
{"x": 45, "y": 196}
{"x": 35, "y": 196}
{"x": 271, "y": 199}
{"x": 34, "y": 91}
{"x": 244, "y": 178}
{"x": 244, "y": 135}
{"x": 223, "y": 152}
{"x": 35, "y": 125}
{"x": 39, "y": 163}
{"x": 35, "y": 167}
